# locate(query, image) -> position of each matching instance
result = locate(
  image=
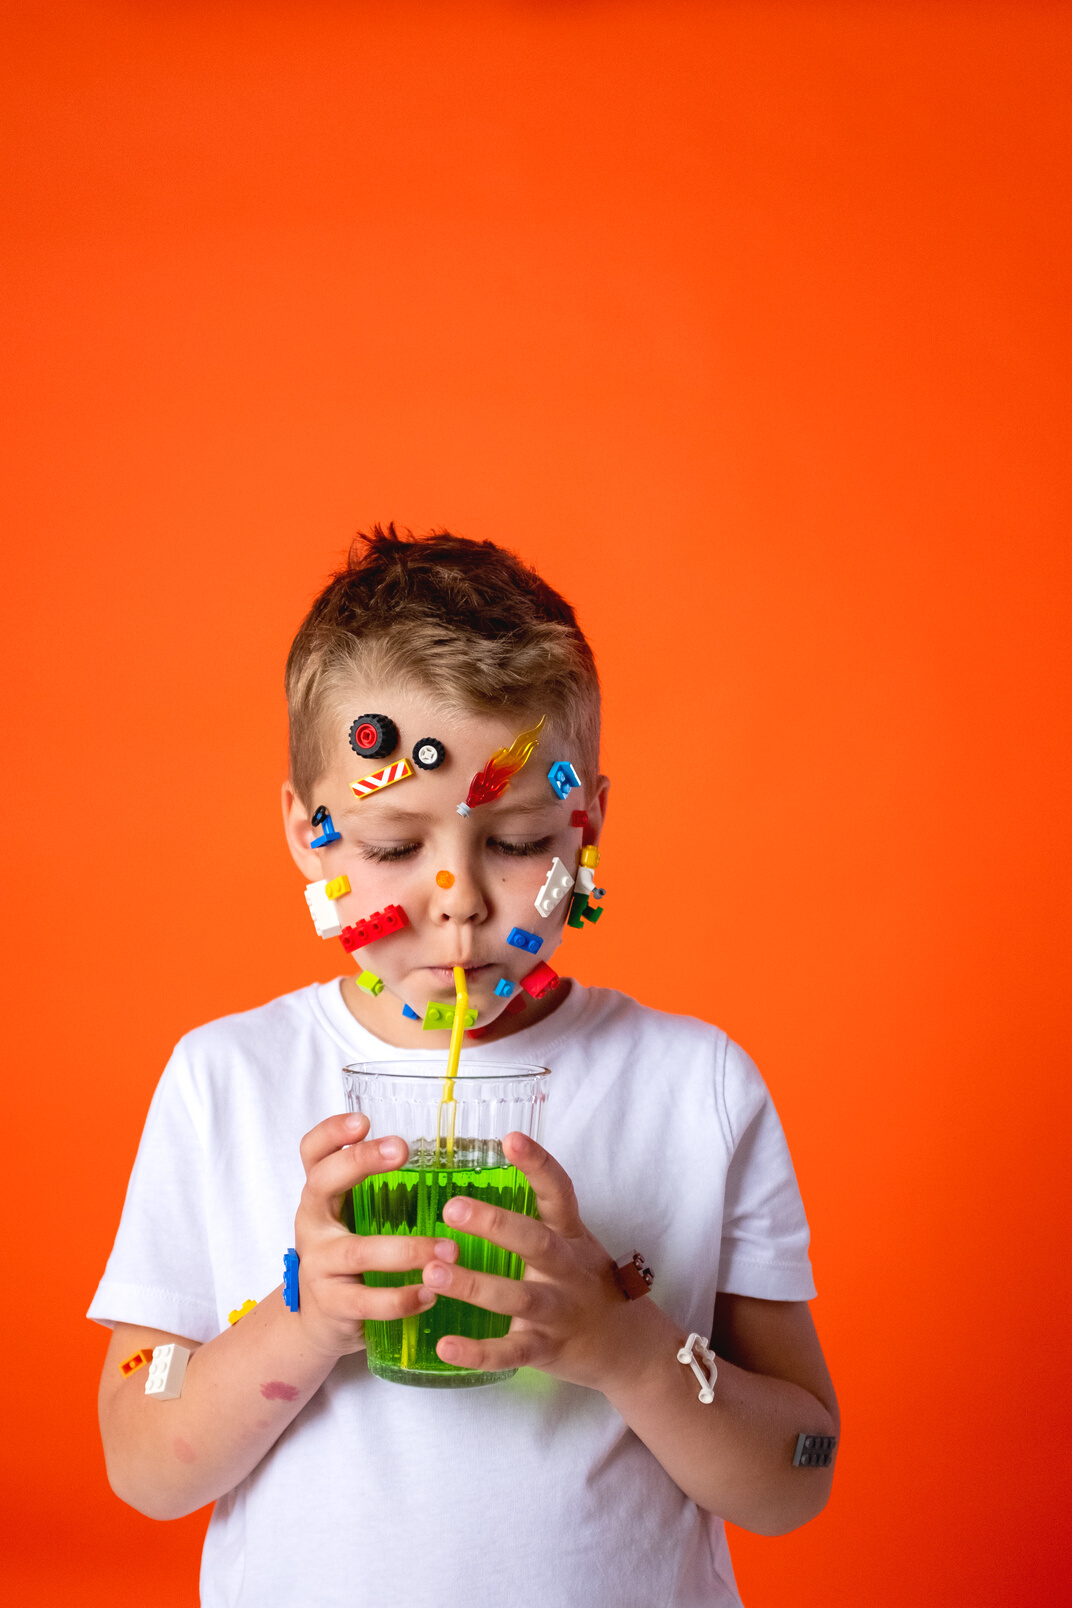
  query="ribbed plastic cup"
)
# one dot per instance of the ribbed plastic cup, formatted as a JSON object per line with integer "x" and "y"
{"x": 455, "y": 1148}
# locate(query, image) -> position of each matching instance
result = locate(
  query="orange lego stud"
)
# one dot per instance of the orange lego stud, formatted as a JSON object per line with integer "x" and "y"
{"x": 138, "y": 1360}
{"x": 444, "y": 879}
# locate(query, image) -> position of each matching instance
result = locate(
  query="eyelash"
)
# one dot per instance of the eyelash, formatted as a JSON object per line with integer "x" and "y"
{"x": 406, "y": 851}
{"x": 520, "y": 850}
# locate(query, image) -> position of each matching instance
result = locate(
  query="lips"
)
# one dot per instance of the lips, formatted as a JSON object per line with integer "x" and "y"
{"x": 444, "y": 975}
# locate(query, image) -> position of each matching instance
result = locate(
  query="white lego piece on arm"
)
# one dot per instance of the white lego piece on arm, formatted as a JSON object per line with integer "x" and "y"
{"x": 167, "y": 1371}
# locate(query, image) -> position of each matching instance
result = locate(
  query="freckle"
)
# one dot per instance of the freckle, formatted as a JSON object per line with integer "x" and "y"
{"x": 276, "y": 1390}
{"x": 183, "y": 1450}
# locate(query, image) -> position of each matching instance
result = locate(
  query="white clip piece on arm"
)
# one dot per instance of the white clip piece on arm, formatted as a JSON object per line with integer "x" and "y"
{"x": 697, "y": 1343}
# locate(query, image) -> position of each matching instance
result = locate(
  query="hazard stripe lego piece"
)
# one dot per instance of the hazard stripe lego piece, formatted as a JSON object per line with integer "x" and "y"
{"x": 382, "y": 778}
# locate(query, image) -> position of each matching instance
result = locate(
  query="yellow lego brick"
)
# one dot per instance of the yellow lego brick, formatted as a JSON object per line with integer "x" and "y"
{"x": 370, "y": 982}
{"x": 590, "y": 856}
{"x": 240, "y": 1312}
{"x": 337, "y": 887}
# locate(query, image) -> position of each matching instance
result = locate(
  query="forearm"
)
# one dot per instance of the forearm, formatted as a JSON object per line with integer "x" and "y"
{"x": 733, "y": 1457}
{"x": 241, "y": 1390}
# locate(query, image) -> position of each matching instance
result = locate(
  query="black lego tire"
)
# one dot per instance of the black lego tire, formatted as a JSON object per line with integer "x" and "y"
{"x": 320, "y": 815}
{"x": 429, "y": 753}
{"x": 373, "y": 736}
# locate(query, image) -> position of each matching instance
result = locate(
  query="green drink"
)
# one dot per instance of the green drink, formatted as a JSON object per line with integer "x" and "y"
{"x": 454, "y": 1131}
{"x": 410, "y": 1200}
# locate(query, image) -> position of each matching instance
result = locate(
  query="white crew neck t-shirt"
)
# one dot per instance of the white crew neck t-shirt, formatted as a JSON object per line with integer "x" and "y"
{"x": 526, "y": 1494}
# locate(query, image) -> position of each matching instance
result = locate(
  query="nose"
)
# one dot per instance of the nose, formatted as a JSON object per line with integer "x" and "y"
{"x": 458, "y": 897}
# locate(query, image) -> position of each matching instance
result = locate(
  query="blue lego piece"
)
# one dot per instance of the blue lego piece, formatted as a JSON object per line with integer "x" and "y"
{"x": 563, "y": 777}
{"x": 291, "y": 1295}
{"x": 411, "y": 1014}
{"x": 329, "y": 834}
{"x": 504, "y": 987}
{"x": 520, "y": 939}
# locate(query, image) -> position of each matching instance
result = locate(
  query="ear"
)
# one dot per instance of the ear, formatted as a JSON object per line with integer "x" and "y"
{"x": 597, "y": 810}
{"x": 300, "y": 831}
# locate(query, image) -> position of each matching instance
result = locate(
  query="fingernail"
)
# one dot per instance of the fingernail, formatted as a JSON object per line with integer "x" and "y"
{"x": 393, "y": 1149}
{"x": 354, "y": 1121}
{"x": 457, "y": 1210}
{"x": 425, "y": 1297}
{"x": 447, "y": 1350}
{"x": 437, "y": 1275}
{"x": 446, "y": 1250}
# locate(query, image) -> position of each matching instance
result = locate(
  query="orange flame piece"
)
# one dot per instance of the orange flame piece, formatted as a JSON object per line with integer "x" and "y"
{"x": 490, "y": 783}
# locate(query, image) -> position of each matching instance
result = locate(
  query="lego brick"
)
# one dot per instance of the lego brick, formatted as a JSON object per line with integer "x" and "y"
{"x": 444, "y": 879}
{"x": 579, "y": 818}
{"x": 429, "y": 753}
{"x": 328, "y": 835}
{"x": 412, "y": 1015}
{"x": 516, "y": 1006}
{"x": 380, "y": 779}
{"x": 291, "y": 1288}
{"x": 370, "y": 982}
{"x": 504, "y": 988}
{"x": 326, "y": 918}
{"x": 373, "y": 736}
{"x": 139, "y": 1360}
{"x": 814, "y": 1451}
{"x": 241, "y": 1312}
{"x": 589, "y": 856}
{"x": 381, "y": 924}
{"x": 632, "y": 1277}
{"x": 520, "y": 939}
{"x": 563, "y": 778}
{"x": 479, "y": 1032}
{"x": 336, "y": 888}
{"x": 540, "y": 981}
{"x": 167, "y": 1372}
{"x": 439, "y": 1016}
{"x": 557, "y": 884}
{"x": 578, "y": 905}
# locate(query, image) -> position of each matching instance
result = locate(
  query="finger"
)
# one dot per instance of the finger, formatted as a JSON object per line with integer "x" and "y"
{"x": 328, "y": 1180}
{"x": 380, "y": 1305}
{"x": 332, "y": 1134}
{"x": 387, "y": 1253}
{"x": 518, "y": 1298}
{"x": 551, "y": 1184}
{"x": 525, "y": 1349}
{"x": 533, "y": 1240}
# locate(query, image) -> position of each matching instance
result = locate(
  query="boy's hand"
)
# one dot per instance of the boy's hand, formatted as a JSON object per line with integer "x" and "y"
{"x": 334, "y": 1301}
{"x": 569, "y": 1316}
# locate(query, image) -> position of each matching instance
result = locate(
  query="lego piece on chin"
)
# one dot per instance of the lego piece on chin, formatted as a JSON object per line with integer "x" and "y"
{"x": 370, "y": 982}
{"x": 557, "y": 884}
{"x": 479, "y": 1032}
{"x": 139, "y": 1360}
{"x": 516, "y": 1006}
{"x": 504, "y": 988}
{"x": 321, "y": 817}
{"x": 241, "y": 1312}
{"x": 410, "y": 1015}
{"x": 377, "y": 780}
{"x": 518, "y": 938}
{"x": 381, "y": 924}
{"x": 373, "y": 736}
{"x": 336, "y": 888}
{"x": 438, "y": 1016}
{"x": 167, "y": 1371}
{"x": 579, "y": 818}
{"x": 589, "y": 855}
{"x": 540, "y": 981}
{"x": 326, "y": 918}
{"x": 563, "y": 778}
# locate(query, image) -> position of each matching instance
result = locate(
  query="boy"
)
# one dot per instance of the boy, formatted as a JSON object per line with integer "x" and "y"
{"x": 600, "y": 1474}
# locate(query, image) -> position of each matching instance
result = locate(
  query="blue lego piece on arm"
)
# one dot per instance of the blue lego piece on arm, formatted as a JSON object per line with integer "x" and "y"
{"x": 291, "y": 1294}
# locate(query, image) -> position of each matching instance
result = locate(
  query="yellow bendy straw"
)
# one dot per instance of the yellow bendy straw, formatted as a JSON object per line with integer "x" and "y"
{"x": 461, "y": 1005}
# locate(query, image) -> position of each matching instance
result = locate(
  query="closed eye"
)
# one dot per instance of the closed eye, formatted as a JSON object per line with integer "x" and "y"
{"x": 387, "y": 856}
{"x": 519, "y": 850}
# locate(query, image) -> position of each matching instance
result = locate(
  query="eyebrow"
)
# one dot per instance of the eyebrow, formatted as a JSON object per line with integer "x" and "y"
{"x": 392, "y": 813}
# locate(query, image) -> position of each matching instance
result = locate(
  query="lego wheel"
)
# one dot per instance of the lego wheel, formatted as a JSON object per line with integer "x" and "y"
{"x": 429, "y": 753}
{"x": 320, "y": 815}
{"x": 373, "y": 736}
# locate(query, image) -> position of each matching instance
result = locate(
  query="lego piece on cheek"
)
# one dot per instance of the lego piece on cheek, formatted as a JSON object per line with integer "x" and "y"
{"x": 410, "y": 1015}
{"x": 518, "y": 938}
{"x": 370, "y": 982}
{"x": 589, "y": 855}
{"x": 381, "y": 924}
{"x": 326, "y": 918}
{"x": 579, "y": 818}
{"x": 504, "y": 988}
{"x": 167, "y": 1372}
{"x": 586, "y": 879}
{"x": 557, "y": 884}
{"x": 563, "y": 778}
{"x": 336, "y": 888}
{"x": 540, "y": 981}
{"x": 321, "y": 817}
{"x": 381, "y": 778}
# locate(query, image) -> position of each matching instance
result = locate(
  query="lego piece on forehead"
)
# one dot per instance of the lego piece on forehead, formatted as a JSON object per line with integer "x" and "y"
{"x": 540, "y": 981}
{"x": 381, "y": 924}
{"x": 563, "y": 778}
{"x": 428, "y": 753}
{"x": 321, "y": 817}
{"x": 491, "y": 783}
{"x": 380, "y": 779}
{"x": 373, "y": 736}
{"x": 326, "y": 918}
{"x": 557, "y": 884}
{"x": 518, "y": 938}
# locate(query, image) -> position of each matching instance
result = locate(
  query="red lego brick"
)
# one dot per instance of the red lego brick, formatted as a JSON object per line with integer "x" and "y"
{"x": 518, "y": 1003}
{"x": 579, "y": 818}
{"x": 478, "y": 1032}
{"x": 392, "y": 918}
{"x": 540, "y": 981}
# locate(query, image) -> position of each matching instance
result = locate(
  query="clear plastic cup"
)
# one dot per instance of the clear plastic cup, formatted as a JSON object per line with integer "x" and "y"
{"x": 455, "y": 1148}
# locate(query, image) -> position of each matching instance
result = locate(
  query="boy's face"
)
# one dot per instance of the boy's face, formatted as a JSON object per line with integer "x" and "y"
{"x": 395, "y": 842}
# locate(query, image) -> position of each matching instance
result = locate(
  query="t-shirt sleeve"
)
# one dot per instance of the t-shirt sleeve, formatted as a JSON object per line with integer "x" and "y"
{"x": 159, "y": 1273}
{"x": 765, "y": 1233}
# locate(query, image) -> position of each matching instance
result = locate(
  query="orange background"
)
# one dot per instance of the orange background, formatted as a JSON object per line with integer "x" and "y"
{"x": 749, "y": 324}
